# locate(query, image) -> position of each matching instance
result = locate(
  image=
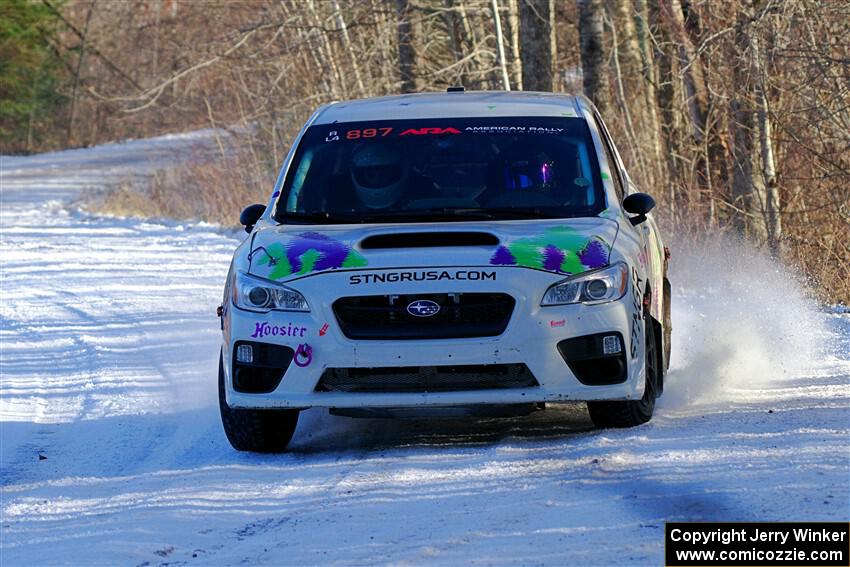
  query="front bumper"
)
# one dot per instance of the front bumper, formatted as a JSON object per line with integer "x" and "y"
{"x": 531, "y": 338}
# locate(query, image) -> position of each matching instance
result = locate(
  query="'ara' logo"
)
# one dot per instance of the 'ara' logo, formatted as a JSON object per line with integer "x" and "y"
{"x": 426, "y": 131}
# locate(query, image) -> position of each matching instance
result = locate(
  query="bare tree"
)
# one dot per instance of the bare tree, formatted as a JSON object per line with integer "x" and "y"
{"x": 516, "y": 57}
{"x": 406, "y": 47}
{"x": 748, "y": 187}
{"x": 536, "y": 44}
{"x": 594, "y": 54}
{"x": 735, "y": 114}
{"x": 500, "y": 43}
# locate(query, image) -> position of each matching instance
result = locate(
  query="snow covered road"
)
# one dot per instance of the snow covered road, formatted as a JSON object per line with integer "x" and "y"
{"x": 111, "y": 451}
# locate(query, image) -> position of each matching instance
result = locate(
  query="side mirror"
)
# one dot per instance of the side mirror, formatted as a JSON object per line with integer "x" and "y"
{"x": 250, "y": 216}
{"x": 638, "y": 204}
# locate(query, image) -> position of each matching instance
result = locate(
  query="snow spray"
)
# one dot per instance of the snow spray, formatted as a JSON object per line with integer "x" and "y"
{"x": 741, "y": 323}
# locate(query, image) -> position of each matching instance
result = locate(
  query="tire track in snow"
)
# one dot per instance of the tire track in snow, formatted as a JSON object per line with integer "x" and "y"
{"x": 108, "y": 367}
{"x": 80, "y": 293}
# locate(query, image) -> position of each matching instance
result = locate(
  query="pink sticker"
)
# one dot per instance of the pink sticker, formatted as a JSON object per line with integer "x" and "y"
{"x": 560, "y": 323}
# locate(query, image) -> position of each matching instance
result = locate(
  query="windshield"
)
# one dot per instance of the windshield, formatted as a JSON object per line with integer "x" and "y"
{"x": 446, "y": 169}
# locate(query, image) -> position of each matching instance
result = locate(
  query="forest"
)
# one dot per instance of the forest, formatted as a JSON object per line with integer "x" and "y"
{"x": 734, "y": 115}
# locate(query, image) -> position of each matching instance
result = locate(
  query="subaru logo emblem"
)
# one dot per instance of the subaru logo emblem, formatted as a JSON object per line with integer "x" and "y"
{"x": 423, "y": 308}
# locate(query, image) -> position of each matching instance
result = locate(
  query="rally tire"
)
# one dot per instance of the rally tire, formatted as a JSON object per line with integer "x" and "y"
{"x": 631, "y": 413}
{"x": 260, "y": 431}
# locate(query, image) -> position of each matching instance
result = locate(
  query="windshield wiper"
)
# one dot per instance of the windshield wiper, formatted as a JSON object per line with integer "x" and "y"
{"x": 453, "y": 213}
{"x": 320, "y": 218}
{"x": 498, "y": 212}
{"x": 413, "y": 215}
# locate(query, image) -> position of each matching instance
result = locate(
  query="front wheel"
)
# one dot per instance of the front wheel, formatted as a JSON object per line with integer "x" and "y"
{"x": 261, "y": 431}
{"x": 630, "y": 413}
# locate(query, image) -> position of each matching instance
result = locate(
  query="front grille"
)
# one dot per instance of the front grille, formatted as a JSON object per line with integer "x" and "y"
{"x": 420, "y": 379}
{"x": 461, "y": 315}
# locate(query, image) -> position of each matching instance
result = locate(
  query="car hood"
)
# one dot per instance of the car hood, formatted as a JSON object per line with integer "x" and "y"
{"x": 567, "y": 247}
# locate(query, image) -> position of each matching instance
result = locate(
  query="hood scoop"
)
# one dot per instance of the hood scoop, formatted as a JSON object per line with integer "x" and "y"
{"x": 428, "y": 240}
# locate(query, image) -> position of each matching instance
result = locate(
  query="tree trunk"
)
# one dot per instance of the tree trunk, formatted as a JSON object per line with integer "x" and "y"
{"x": 516, "y": 58}
{"x": 695, "y": 91}
{"x": 553, "y": 47}
{"x": 406, "y": 48}
{"x": 629, "y": 88}
{"x": 535, "y": 45}
{"x": 748, "y": 187}
{"x": 669, "y": 125}
{"x": 711, "y": 161}
{"x": 346, "y": 41}
{"x": 472, "y": 37}
{"x": 73, "y": 111}
{"x": 772, "y": 218}
{"x": 386, "y": 78}
{"x": 593, "y": 54}
{"x": 650, "y": 127}
{"x": 326, "y": 53}
{"x": 452, "y": 23}
{"x": 500, "y": 43}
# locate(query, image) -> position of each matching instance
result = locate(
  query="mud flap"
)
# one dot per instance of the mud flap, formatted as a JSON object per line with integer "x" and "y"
{"x": 662, "y": 356}
{"x": 668, "y": 324}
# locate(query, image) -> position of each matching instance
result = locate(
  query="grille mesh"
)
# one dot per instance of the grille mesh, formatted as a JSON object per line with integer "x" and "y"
{"x": 427, "y": 378}
{"x": 461, "y": 315}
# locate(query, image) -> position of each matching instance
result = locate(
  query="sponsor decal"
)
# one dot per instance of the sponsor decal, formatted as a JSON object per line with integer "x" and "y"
{"x": 323, "y": 331}
{"x": 306, "y": 253}
{"x": 637, "y": 312}
{"x": 643, "y": 256}
{"x": 264, "y": 330}
{"x": 303, "y": 355}
{"x": 423, "y": 308}
{"x": 512, "y": 130}
{"x": 562, "y": 250}
{"x": 422, "y": 276}
{"x": 367, "y": 133}
{"x": 429, "y": 131}
{"x": 560, "y": 323}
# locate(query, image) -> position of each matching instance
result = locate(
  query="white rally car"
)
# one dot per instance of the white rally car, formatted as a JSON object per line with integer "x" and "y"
{"x": 456, "y": 253}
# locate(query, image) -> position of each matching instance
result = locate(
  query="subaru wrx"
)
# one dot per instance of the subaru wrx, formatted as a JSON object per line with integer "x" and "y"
{"x": 464, "y": 253}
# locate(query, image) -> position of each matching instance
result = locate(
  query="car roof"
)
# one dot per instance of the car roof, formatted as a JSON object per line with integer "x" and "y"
{"x": 452, "y": 105}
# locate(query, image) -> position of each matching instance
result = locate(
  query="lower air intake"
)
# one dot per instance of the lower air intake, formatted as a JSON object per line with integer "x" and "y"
{"x": 421, "y": 379}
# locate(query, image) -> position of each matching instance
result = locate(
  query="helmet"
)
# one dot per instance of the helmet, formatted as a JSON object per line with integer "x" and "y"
{"x": 378, "y": 175}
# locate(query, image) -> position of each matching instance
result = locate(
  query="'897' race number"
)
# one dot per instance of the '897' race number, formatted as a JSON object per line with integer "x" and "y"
{"x": 367, "y": 133}
{"x": 384, "y": 131}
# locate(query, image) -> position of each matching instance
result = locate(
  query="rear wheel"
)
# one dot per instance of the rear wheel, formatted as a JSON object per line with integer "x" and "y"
{"x": 629, "y": 413}
{"x": 262, "y": 431}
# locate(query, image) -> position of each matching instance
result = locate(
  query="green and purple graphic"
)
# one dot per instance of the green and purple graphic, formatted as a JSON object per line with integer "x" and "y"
{"x": 306, "y": 253}
{"x": 561, "y": 249}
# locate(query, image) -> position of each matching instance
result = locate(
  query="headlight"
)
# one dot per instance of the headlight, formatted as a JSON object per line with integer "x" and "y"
{"x": 601, "y": 286}
{"x": 256, "y": 294}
